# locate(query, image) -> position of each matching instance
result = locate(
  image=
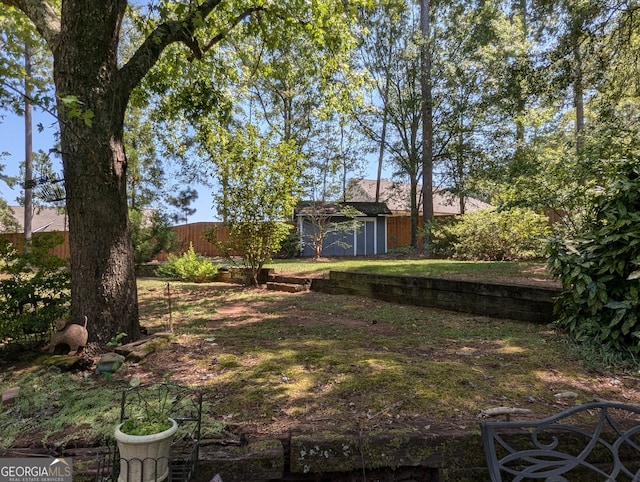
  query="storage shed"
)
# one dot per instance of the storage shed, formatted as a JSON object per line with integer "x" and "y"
{"x": 350, "y": 228}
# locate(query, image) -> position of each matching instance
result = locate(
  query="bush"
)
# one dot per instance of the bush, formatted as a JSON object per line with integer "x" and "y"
{"x": 514, "y": 234}
{"x": 188, "y": 267}
{"x": 291, "y": 246}
{"x": 150, "y": 236}
{"x": 600, "y": 270}
{"x": 441, "y": 235}
{"x": 36, "y": 290}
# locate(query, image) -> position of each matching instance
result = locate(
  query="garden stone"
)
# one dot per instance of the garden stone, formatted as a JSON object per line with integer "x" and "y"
{"x": 9, "y": 396}
{"x": 110, "y": 363}
{"x": 566, "y": 395}
{"x": 140, "y": 349}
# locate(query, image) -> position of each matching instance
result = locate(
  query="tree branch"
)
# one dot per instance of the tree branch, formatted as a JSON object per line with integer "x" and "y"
{"x": 42, "y": 16}
{"x": 170, "y": 32}
{"x": 221, "y": 35}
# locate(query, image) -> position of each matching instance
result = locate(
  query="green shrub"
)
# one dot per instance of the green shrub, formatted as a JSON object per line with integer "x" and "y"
{"x": 36, "y": 288}
{"x": 488, "y": 234}
{"x": 600, "y": 270}
{"x": 151, "y": 235}
{"x": 441, "y": 236}
{"x": 291, "y": 246}
{"x": 189, "y": 266}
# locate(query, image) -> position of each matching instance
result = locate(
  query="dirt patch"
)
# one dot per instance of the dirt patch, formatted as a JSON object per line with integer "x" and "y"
{"x": 484, "y": 370}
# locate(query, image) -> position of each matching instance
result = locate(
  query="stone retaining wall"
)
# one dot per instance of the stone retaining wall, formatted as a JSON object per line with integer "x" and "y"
{"x": 526, "y": 303}
{"x": 421, "y": 455}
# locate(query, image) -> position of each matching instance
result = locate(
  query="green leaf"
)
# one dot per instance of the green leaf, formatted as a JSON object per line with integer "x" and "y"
{"x": 634, "y": 275}
{"x": 70, "y": 101}
{"x": 87, "y": 117}
{"x": 628, "y": 325}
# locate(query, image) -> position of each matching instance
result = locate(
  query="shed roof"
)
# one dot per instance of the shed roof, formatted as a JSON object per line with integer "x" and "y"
{"x": 363, "y": 209}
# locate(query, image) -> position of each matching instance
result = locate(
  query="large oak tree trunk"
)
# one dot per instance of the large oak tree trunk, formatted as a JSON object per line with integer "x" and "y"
{"x": 103, "y": 284}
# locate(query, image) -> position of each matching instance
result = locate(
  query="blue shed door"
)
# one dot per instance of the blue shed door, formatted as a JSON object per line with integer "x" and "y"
{"x": 370, "y": 228}
{"x": 366, "y": 238}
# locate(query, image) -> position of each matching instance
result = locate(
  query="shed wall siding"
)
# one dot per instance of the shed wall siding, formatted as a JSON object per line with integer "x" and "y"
{"x": 369, "y": 239}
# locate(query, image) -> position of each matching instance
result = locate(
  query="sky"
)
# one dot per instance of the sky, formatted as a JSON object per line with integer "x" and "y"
{"x": 12, "y": 141}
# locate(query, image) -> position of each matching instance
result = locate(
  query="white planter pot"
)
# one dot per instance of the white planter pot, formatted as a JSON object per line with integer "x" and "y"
{"x": 144, "y": 458}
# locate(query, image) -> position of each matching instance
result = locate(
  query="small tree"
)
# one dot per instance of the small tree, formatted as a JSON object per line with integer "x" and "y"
{"x": 259, "y": 191}
{"x": 151, "y": 234}
{"x": 8, "y": 222}
{"x": 323, "y": 224}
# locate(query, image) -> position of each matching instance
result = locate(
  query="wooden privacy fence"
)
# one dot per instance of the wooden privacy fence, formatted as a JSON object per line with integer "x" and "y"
{"x": 194, "y": 233}
{"x": 187, "y": 233}
{"x": 399, "y": 231}
{"x": 398, "y": 235}
{"x": 61, "y": 250}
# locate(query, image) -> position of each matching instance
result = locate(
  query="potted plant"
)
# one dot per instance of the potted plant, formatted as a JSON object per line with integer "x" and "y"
{"x": 144, "y": 438}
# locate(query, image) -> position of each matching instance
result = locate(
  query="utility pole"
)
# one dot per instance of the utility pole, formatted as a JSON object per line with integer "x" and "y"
{"x": 28, "y": 150}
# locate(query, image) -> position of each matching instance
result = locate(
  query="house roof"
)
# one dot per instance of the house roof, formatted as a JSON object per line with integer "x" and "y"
{"x": 49, "y": 219}
{"x": 44, "y": 219}
{"x": 396, "y": 195}
{"x": 366, "y": 209}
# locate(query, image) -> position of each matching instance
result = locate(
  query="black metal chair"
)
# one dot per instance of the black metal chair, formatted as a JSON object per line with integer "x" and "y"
{"x": 595, "y": 441}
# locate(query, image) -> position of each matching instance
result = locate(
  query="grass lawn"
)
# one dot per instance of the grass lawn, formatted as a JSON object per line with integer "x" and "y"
{"x": 491, "y": 271}
{"x": 271, "y": 363}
